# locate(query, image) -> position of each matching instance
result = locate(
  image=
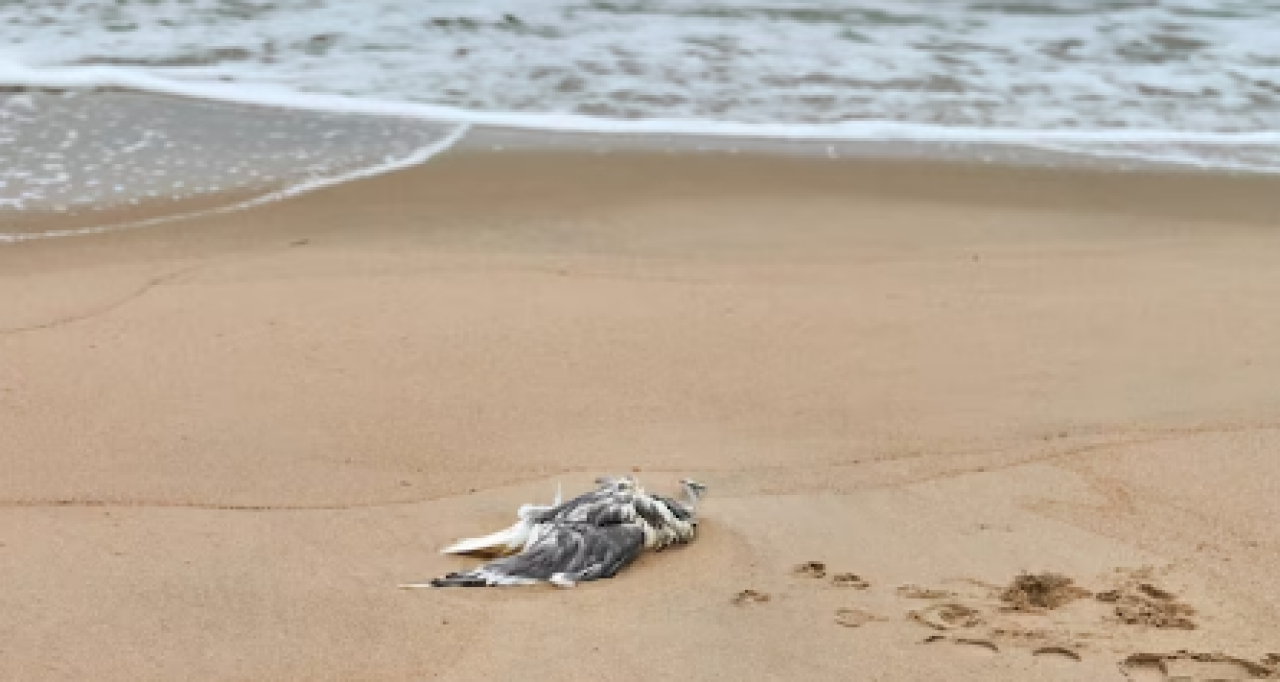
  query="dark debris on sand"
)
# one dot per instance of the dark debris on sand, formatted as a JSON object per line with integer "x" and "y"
{"x": 1035, "y": 591}
{"x": 1146, "y": 604}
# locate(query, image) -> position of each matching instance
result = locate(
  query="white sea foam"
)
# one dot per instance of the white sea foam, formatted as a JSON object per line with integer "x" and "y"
{"x": 79, "y": 153}
{"x": 1175, "y": 64}
{"x": 277, "y": 96}
{"x": 416, "y": 157}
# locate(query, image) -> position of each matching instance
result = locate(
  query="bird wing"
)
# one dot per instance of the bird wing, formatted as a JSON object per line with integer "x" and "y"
{"x": 589, "y": 537}
{"x": 562, "y": 553}
{"x": 512, "y": 539}
{"x": 603, "y": 506}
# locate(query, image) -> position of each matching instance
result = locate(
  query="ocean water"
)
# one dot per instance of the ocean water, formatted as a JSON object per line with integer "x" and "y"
{"x": 1183, "y": 82}
{"x": 75, "y": 152}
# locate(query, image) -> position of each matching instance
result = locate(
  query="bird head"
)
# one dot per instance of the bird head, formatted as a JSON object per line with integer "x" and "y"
{"x": 693, "y": 489}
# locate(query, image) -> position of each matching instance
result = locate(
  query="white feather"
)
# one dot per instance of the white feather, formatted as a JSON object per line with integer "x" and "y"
{"x": 510, "y": 540}
{"x": 562, "y": 580}
{"x": 506, "y": 541}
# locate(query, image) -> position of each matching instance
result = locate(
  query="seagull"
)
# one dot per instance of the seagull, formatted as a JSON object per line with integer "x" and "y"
{"x": 590, "y": 537}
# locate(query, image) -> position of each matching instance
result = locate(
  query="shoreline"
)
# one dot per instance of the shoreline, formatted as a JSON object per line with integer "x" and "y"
{"x": 1029, "y": 155}
{"x": 142, "y": 196}
{"x": 1180, "y": 187}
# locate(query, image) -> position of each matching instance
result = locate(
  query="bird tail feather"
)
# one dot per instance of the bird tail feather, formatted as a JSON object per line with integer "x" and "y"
{"x": 503, "y": 542}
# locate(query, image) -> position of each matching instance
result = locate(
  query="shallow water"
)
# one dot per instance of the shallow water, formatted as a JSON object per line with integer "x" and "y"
{"x": 82, "y": 152}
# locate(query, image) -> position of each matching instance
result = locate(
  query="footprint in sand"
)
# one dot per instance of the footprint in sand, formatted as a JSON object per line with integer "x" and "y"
{"x": 817, "y": 570}
{"x": 985, "y": 648}
{"x": 750, "y": 597}
{"x": 852, "y": 580}
{"x": 810, "y": 569}
{"x": 1148, "y": 605}
{"x": 948, "y": 616}
{"x": 1193, "y": 667}
{"x": 855, "y": 618}
{"x": 1056, "y": 655}
{"x": 917, "y": 592}
{"x": 969, "y": 646}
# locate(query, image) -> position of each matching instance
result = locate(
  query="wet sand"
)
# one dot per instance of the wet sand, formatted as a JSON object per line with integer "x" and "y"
{"x": 227, "y": 440}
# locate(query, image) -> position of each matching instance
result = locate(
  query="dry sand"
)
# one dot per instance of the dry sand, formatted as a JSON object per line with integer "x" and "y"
{"x": 226, "y": 441}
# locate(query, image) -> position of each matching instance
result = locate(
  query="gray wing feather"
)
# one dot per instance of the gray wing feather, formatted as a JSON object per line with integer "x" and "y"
{"x": 576, "y": 552}
{"x": 586, "y": 508}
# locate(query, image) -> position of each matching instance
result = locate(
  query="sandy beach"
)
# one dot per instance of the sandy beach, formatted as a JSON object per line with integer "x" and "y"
{"x": 226, "y": 440}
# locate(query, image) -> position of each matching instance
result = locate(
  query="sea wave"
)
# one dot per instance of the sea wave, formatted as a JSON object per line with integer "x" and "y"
{"x": 1186, "y": 65}
{"x": 15, "y": 75}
